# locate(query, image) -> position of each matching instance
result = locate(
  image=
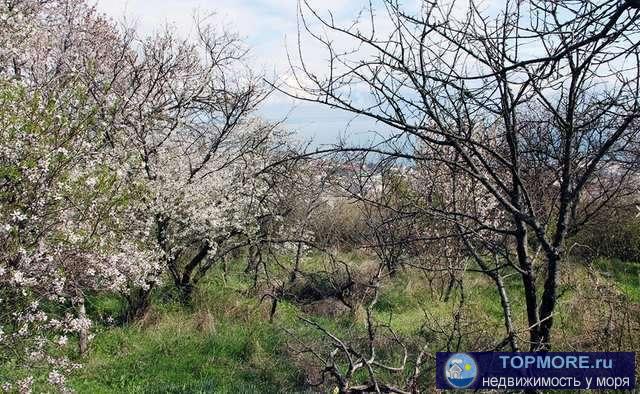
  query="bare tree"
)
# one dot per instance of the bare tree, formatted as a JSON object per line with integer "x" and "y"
{"x": 534, "y": 104}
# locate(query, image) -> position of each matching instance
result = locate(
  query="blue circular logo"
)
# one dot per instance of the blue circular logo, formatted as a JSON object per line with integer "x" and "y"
{"x": 461, "y": 370}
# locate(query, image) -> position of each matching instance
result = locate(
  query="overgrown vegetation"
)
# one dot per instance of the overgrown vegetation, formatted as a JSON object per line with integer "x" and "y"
{"x": 157, "y": 235}
{"x": 224, "y": 342}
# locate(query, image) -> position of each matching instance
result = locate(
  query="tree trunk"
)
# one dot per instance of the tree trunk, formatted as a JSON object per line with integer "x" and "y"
{"x": 296, "y": 266}
{"x": 548, "y": 303}
{"x": 83, "y": 335}
{"x": 139, "y": 303}
{"x": 186, "y": 293}
{"x": 506, "y": 312}
{"x": 447, "y": 293}
{"x": 528, "y": 281}
{"x": 186, "y": 283}
{"x": 252, "y": 259}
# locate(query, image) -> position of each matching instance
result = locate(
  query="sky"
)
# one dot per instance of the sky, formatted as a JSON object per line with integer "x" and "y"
{"x": 268, "y": 27}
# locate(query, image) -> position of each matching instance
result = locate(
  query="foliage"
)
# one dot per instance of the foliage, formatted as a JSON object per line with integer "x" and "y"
{"x": 135, "y": 174}
{"x": 66, "y": 219}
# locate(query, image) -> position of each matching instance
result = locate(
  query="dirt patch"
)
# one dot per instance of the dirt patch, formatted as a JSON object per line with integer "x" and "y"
{"x": 328, "y": 307}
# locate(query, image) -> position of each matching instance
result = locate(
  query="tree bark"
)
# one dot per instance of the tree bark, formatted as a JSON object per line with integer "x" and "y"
{"x": 528, "y": 281}
{"x": 185, "y": 284}
{"x": 548, "y": 303}
{"x": 83, "y": 335}
{"x": 139, "y": 303}
{"x": 506, "y": 311}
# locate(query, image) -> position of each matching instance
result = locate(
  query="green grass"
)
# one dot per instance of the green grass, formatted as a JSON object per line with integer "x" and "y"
{"x": 174, "y": 355}
{"x": 220, "y": 344}
{"x": 223, "y": 342}
{"x": 625, "y": 274}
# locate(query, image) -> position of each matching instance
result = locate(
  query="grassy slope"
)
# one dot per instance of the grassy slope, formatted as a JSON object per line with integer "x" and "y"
{"x": 224, "y": 343}
{"x": 220, "y": 345}
{"x": 626, "y": 275}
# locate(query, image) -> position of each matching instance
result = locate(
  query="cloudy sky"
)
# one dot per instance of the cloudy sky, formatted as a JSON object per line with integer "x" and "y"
{"x": 268, "y": 26}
